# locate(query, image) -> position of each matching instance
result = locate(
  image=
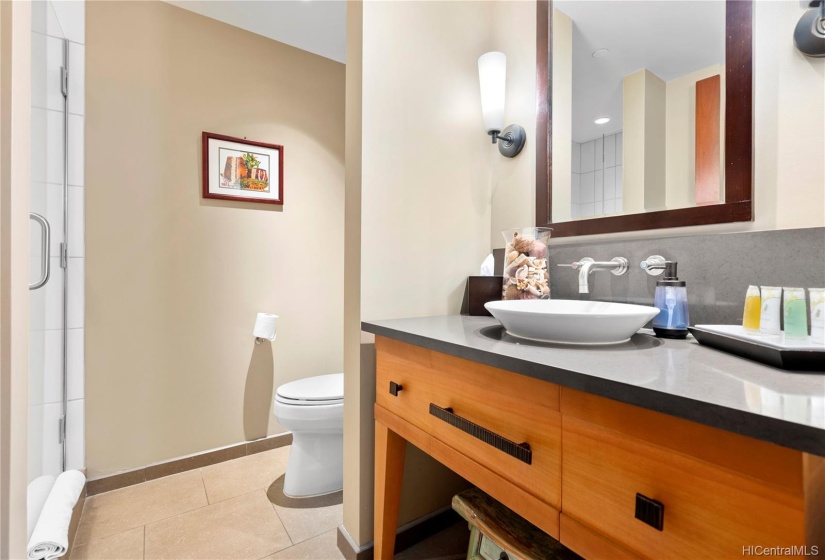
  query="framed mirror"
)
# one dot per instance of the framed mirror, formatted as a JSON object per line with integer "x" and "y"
{"x": 644, "y": 114}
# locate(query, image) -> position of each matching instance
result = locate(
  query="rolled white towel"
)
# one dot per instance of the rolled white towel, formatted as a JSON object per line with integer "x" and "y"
{"x": 36, "y": 495}
{"x": 50, "y": 538}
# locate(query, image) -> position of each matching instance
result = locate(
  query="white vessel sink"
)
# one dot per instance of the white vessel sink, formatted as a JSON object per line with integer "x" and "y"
{"x": 571, "y": 321}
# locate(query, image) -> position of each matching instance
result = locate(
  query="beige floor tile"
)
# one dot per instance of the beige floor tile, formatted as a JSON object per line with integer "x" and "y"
{"x": 239, "y": 476}
{"x": 114, "y": 512}
{"x": 322, "y": 547}
{"x": 245, "y": 527}
{"x": 305, "y": 523}
{"x": 123, "y": 546}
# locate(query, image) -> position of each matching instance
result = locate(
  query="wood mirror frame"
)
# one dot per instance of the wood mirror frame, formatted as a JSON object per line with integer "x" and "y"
{"x": 738, "y": 164}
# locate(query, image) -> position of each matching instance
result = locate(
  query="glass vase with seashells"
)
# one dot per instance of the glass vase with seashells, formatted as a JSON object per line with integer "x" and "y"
{"x": 526, "y": 273}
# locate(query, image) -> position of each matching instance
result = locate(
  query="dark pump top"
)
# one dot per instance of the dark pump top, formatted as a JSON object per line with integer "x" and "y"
{"x": 670, "y": 278}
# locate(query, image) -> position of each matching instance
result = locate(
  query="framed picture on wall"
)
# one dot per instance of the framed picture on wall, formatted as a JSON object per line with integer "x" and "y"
{"x": 240, "y": 169}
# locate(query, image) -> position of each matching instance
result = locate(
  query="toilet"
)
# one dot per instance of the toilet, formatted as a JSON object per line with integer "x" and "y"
{"x": 313, "y": 410}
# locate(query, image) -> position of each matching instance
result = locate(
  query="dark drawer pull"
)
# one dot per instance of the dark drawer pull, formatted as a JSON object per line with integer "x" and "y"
{"x": 520, "y": 451}
{"x": 395, "y": 388}
{"x": 650, "y": 511}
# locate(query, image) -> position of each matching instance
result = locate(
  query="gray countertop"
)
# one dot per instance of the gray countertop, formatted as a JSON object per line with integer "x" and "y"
{"x": 676, "y": 377}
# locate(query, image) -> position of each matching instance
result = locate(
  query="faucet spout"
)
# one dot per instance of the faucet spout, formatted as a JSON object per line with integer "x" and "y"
{"x": 586, "y": 266}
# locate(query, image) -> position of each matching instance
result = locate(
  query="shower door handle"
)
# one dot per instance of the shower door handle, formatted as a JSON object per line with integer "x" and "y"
{"x": 45, "y": 260}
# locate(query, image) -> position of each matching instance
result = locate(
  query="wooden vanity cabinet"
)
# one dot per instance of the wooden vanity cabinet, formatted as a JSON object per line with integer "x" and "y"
{"x": 609, "y": 480}
{"x": 719, "y": 492}
{"x": 481, "y": 416}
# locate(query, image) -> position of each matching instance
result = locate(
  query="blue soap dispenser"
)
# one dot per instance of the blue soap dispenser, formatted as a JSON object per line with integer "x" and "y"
{"x": 671, "y": 299}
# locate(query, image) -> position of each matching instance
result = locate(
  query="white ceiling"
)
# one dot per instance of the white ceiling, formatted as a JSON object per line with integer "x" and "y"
{"x": 317, "y": 26}
{"x": 669, "y": 38}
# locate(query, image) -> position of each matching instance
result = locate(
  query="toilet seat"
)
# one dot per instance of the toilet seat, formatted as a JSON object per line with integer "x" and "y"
{"x": 321, "y": 390}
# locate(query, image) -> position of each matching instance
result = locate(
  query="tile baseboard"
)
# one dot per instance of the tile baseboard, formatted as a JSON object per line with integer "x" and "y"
{"x": 74, "y": 523}
{"x": 182, "y": 464}
{"x": 407, "y": 536}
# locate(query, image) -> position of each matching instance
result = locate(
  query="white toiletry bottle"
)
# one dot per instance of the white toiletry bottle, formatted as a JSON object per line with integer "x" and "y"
{"x": 771, "y": 308}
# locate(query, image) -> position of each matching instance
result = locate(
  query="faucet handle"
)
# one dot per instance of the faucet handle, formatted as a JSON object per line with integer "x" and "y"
{"x": 654, "y": 265}
{"x": 578, "y": 264}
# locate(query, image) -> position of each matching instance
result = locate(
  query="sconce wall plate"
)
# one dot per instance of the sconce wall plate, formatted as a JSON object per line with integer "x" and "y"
{"x": 809, "y": 35}
{"x": 510, "y": 140}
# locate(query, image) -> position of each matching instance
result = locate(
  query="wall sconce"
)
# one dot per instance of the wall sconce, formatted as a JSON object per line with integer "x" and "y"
{"x": 809, "y": 35}
{"x": 492, "y": 73}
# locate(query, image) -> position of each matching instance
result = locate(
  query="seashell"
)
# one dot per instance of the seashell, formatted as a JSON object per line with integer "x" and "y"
{"x": 511, "y": 256}
{"x": 540, "y": 263}
{"x": 534, "y": 290}
{"x": 524, "y": 244}
{"x": 538, "y": 250}
{"x": 511, "y": 292}
{"x": 521, "y": 260}
{"x": 521, "y": 273}
{"x": 512, "y": 268}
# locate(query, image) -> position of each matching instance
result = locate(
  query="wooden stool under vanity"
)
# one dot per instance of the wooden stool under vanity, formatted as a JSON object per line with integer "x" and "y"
{"x": 498, "y": 533}
{"x": 607, "y": 479}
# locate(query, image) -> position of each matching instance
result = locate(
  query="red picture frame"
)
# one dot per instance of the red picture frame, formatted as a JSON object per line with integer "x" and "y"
{"x": 228, "y": 166}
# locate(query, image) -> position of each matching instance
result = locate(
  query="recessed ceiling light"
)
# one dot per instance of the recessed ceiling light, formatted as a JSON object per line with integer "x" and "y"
{"x": 602, "y": 120}
{"x": 600, "y": 53}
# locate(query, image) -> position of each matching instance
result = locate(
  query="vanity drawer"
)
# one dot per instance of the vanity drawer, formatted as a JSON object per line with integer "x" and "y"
{"x": 482, "y": 412}
{"x": 708, "y": 511}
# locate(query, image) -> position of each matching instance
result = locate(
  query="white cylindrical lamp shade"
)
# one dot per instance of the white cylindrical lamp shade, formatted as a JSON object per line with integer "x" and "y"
{"x": 492, "y": 74}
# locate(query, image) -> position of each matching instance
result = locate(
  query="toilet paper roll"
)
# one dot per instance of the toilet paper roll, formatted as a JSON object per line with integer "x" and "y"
{"x": 265, "y": 326}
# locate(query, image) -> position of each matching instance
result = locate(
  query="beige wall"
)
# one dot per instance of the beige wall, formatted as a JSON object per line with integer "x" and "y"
{"x": 426, "y": 167}
{"x": 173, "y": 281}
{"x": 643, "y": 123}
{"x": 681, "y": 135}
{"x": 360, "y": 392}
{"x": 789, "y": 139}
{"x": 424, "y": 206}
{"x": 562, "y": 118}
{"x": 15, "y": 126}
{"x": 514, "y": 33}
{"x": 633, "y": 133}
{"x": 655, "y": 138}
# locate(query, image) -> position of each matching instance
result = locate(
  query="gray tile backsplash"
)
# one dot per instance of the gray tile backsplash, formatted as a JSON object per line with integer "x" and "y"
{"x": 717, "y": 268}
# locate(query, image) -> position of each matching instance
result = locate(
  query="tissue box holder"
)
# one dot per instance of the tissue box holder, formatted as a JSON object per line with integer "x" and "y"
{"x": 480, "y": 290}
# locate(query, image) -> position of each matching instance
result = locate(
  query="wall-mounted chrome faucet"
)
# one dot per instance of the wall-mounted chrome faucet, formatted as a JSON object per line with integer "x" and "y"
{"x": 585, "y": 266}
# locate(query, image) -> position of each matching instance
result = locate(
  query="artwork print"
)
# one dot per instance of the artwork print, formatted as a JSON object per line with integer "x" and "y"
{"x": 241, "y": 169}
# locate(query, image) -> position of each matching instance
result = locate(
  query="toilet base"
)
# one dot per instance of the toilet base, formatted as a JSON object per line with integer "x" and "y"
{"x": 315, "y": 466}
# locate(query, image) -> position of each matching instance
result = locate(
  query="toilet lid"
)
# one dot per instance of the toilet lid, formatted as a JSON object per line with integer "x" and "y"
{"x": 315, "y": 390}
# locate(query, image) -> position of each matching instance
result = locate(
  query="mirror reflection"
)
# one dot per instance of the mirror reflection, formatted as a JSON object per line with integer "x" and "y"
{"x": 638, "y": 106}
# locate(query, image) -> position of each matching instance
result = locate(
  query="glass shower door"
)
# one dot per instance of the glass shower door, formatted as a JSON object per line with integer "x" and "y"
{"x": 47, "y": 353}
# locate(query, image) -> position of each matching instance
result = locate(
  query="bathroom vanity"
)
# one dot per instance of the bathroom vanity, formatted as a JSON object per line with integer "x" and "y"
{"x": 648, "y": 449}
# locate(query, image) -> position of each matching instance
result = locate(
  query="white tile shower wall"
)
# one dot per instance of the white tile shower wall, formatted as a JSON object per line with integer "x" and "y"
{"x": 51, "y": 22}
{"x": 72, "y": 16}
{"x": 575, "y": 184}
{"x": 588, "y": 157}
{"x": 597, "y": 169}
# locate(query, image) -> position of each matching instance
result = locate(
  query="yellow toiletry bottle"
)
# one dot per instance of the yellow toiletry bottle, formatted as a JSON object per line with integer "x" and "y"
{"x": 753, "y": 310}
